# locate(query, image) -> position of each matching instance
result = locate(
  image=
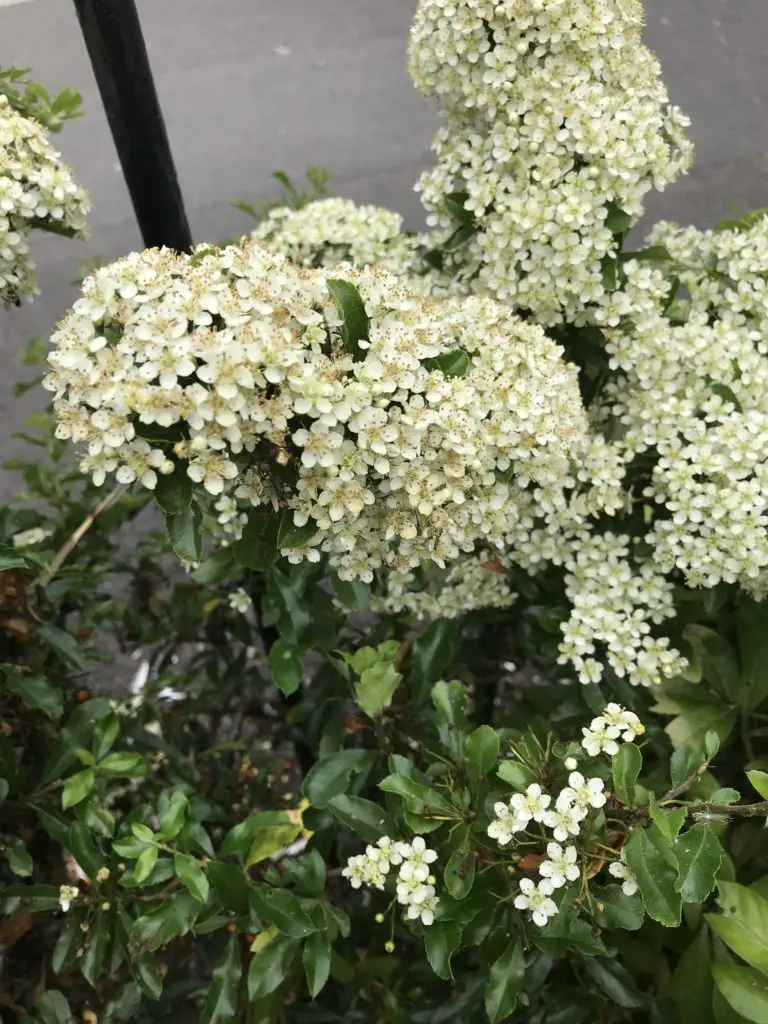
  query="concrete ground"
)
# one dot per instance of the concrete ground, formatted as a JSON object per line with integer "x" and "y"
{"x": 248, "y": 87}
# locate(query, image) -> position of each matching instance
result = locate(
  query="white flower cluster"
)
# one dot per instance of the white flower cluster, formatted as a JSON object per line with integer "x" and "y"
{"x": 37, "y": 190}
{"x": 564, "y": 817}
{"x": 472, "y": 582}
{"x": 414, "y": 883}
{"x": 604, "y": 731}
{"x": 330, "y": 231}
{"x": 691, "y": 393}
{"x": 557, "y": 125}
{"x": 238, "y": 359}
{"x": 67, "y": 895}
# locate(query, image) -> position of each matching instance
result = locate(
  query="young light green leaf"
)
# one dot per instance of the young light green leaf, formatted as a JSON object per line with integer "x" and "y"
{"x": 699, "y": 855}
{"x": 355, "y": 322}
{"x": 441, "y": 940}
{"x": 743, "y": 923}
{"x": 287, "y": 669}
{"x": 221, "y": 1001}
{"x": 669, "y": 822}
{"x": 481, "y": 753}
{"x": 316, "y": 958}
{"x": 172, "y": 821}
{"x": 760, "y": 781}
{"x": 145, "y": 865}
{"x": 626, "y": 768}
{"x": 77, "y": 788}
{"x": 517, "y": 775}
{"x": 420, "y": 799}
{"x": 744, "y": 990}
{"x": 124, "y": 764}
{"x": 505, "y": 982}
{"x": 192, "y": 874}
{"x": 655, "y": 879}
{"x": 376, "y": 688}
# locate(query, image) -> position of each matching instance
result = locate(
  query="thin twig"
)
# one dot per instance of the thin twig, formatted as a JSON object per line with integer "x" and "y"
{"x": 67, "y": 548}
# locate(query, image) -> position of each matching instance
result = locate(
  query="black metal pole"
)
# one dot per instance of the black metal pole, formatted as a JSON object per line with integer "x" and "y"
{"x": 116, "y": 47}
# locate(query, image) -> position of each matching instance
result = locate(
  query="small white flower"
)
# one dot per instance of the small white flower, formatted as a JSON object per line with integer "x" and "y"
{"x": 67, "y": 895}
{"x": 416, "y": 860}
{"x": 629, "y": 883}
{"x": 536, "y": 899}
{"x": 597, "y": 740}
{"x": 571, "y": 763}
{"x": 565, "y": 821}
{"x": 240, "y": 601}
{"x": 531, "y": 804}
{"x": 561, "y": 866}
{"x": 582, "y": 792}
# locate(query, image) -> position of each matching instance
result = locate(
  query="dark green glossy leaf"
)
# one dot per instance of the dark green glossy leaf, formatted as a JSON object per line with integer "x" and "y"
{"x": 454, "y": 204}
{"x": 615, "y": 981}
{"x": 370, "y": 821}
{"x": 81, "y": 844}
{"x": 699, "y": 855}
{"x": 743, "y": 923}
{"x": 420, "y": 799}
{"x": 97, "y": 946}
{"x": 441, "y": 940}
{"x": 329, "y": 777}
{"x": 173, "y": 492}
{"x": 36, "y": 692}
{"x": 481, "y": 753}
{"x": 282, "y": 909}
{"x": 192, "y": 874}
{"x": 355, "y": 323}
{"x": 77, "y": 788}
{"x": 459, "y": 875}
{"x": 450, "y": 364}
{"x": 221, "y": 1000}
{"x": 505, "y": 982}
{"x": 655, "y": 879}
{"x": 317, "y": 962}
{"x": 287, "y": 669}
{"x": 230, "y": 885}
{"x": 174, "y": 917}
{"x": 290, "y": 536}
{"x": 184, "y": 534}
{"x": 270, "y": 965}
{"x": 54, "y": 1008}
{"x": 626, "y": 768}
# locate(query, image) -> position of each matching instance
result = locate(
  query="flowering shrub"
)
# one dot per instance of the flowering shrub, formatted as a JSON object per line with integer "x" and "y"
{"x": 36, "y": 191}
{"x": 454, "y": 707}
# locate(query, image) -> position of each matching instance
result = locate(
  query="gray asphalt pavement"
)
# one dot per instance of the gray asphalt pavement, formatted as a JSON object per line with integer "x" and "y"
{"x": 250, "y": 86}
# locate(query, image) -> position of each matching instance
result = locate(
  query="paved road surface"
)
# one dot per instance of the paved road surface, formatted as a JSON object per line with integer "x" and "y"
{"x": 248, "y": 86}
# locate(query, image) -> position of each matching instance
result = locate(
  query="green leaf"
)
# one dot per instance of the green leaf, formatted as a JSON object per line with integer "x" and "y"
{"x": 54, "y": 1008}
{"x": 718, "y": 661}
{"x": 685, "y": 762}
{"x": 691, "y": 727}
{"x": 36, "y": 896}
{"x": 124, "y": 765}
{"x": 174, "y": 917}
{"x": 4, "y": 789}
{"x": 450, "y": 701}
{"x": 142, "y": 832}
{"x": 519, "y": 776}
{"x": 184, "y": 534}
{"x": 618, "y": 909}
{"x": 432, "y": 653}
{"x": 618, "y": 222}
{"x": 36, "y": 693}
{"x": 123, "y": 1005}
{"x": 63, "y": 643}
{"x": 459, "y": 875}
{"x": 505, "y": 982}
{"x": 145, "y": 865}
{"x": 364, "y": 817}
{"x": 230, "y": 885}
{"x": 420, "y": 799}
{"x": 743, "y": 924}
{"x": 69, "y": 940}
{"x": 481, "y": 753}
{"x": 760, "y": 782}
{"x": 669, "y": 822}
{"x": 290, "y": 536}
{"x": 98, "y": 940}
{"x": 104, "y": 735}
{"x": 626, "y": 768}
{"x": 441, "y": 940}
{"x": 19, "y": 860}
{"x": 699, "y": 855}
{"x": 172, "y": 820}
{"x": 9, "y": 560}
{"x": 743, "y": 989}
{"x": 270, "y": 965}
{"x": 173, "y": 492}
{"x": 287, "y": 669}
{"x": 220, "y": 566}
{"x": 77, "y": 788}
{"x": 753, "y": 652}
{"x": 221, "y": 1000}
{"x": 655, "y": 879}
{"x": 260, "y": 835}
{"x": 355, "y": 322}
{"x": 376, "y": 688}
{"x": 317, "y": 962}
{"x": 257, "y": 546}
{"x": 329, "y": 777}
{"x": 83, "y": 848}
{"x": 692, "y": 986}
{"x": 191, "y": 873}
{"x": 147, "y": 975}
{"x": 615, "y": 981}
{"x": 450, "y": 364}
{"x": 454, "y": 204}
{"x": 282, "y": 909}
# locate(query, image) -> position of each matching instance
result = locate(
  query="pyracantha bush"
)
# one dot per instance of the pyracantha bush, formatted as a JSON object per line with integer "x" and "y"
{"x": 37, "y": 191}
{"x": 456, "y": 705}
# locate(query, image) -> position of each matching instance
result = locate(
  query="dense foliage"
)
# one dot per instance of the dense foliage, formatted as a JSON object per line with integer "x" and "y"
{"x": 413, "y": 669}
